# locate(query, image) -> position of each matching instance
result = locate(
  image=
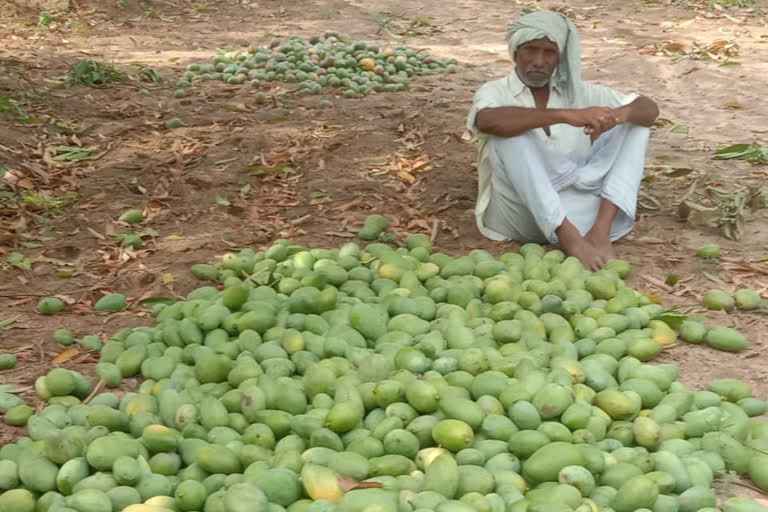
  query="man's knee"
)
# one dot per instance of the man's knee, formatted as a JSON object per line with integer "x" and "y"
{"x": 513, "y": 149}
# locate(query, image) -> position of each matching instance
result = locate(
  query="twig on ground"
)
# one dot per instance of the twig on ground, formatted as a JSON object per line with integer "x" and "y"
{"x": 433, "y": 235}
{"x": 96, "y": 390}
{"x": 749, "y": 486}
{"x": 660, "y": 284}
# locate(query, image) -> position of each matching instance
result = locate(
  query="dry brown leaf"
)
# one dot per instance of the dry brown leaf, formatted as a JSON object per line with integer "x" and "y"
{"x": 348, "y": 484}
{"x": 65, "y": 355}
{"x": 655, "y": 299}
{"x": 407, "y": 177}
{"x": 168, "y": 281}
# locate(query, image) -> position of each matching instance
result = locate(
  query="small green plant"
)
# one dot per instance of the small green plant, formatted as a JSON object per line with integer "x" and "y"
{"x": 121, "y": 4}
{"x": 11, "y": 109}
{"x": 734, "y": 3}
{"x": 92, "y": 73}
{"x": 753, "y": 153}
{"x": 17, "y": 260}
{"x": 79, "y": 28}
{"x": 39, "y": 201}
{"x": 50, "y": 205}
{"x": 148, "y": 74}
{"x": 44, "y": 20}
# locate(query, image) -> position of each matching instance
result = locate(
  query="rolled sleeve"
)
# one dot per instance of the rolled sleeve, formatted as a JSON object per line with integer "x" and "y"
{"x": 486, "y": 96}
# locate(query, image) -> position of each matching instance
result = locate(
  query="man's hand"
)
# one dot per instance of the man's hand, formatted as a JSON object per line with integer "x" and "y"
{"x": 595, "y": 120}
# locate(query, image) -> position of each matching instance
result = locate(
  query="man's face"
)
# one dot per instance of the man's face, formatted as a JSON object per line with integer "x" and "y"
{"x": 536, "y": 61}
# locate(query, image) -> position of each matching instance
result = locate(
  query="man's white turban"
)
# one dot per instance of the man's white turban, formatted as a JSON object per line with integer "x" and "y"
{"x": 559, "y": 29}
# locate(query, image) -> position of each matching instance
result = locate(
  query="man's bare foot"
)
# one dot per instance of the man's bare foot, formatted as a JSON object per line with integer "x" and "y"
{"x": 573, "y": 244}
{"x": 590, "y": 256}
{"x": 601, "y": 241}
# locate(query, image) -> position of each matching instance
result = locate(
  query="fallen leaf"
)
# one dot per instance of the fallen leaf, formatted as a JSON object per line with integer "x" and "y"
{"x": 677, "y": 172}
{"x": 151, "y": 301}
{"x": 96, "y": 234}
{"x": 168, "y": 281}
{"x": 257, "y": 170}
{"x": 318, "y": 194}
{"x": 407, "y": 177}
{"x": 8, "y": 321}
{"x": 712, "y": 277}
{"x": 18, "y": 260}
{"x": 225, "y": 161}
{"x": 222, "y": 201}
{"x": 734, "y": 105}
{"x": 653, "y": 298}
{"x": 348, "y": 484}
{"x": 679, "y": 128}
{"x": 65, "y": 355}
{"x": 673, "y": 318}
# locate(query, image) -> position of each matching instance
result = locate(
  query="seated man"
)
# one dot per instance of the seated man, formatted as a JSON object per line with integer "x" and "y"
{"x": 560, "y": 160}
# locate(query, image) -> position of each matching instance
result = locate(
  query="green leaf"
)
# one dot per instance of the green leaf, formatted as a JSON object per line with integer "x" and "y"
{"x": 387, "y": 237}
{"x": 149, "y": 232}
{"x": 9, "y": 321}
{"x": 257, "y": 170}
{"x": 671, "y": 280}
{"x": 245, "y": 189}
{"x": 318, "y": 194}
{"x": 151, "y": 301}
{"x": 30, "y": 245}
{"x": 733, "y": 151}
{"x": 18, "y": 260}
{"x": 222, "y": 201}
{"x": 677, "y": 172}
{"x": 753, "y": 153}
{"x": 712, "y": 277}
{"x": 673, "y": 318}
{"x": 679, "y": 128}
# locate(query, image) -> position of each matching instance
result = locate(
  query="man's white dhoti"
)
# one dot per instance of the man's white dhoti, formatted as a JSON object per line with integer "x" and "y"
{"x": 534, "y": 187}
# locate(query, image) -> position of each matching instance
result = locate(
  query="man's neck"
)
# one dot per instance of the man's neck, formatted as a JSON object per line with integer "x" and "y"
{"x": 540, "y": 96}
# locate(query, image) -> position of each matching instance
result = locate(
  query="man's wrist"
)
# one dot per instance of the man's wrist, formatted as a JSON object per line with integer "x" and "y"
{"x": 562, "y": 115}
{"x": 622, "y": 114}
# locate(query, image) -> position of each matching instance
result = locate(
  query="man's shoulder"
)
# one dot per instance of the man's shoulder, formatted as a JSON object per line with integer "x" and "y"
{"x": 503, "y": 82}
{"x": 508, "y": 84}
{"x": 598, "y": 94}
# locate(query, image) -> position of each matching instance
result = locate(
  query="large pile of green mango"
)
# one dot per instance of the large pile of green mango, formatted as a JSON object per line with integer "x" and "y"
{"x": 384, "y": 379}
{"x": 330, "y": 60}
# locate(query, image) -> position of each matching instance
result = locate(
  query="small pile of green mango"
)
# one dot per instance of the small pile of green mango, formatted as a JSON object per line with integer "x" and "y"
{"x": 328, "y": 60}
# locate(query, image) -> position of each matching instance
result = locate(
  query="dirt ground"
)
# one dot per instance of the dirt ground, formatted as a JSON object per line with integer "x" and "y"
{"x": 346, "y": 155}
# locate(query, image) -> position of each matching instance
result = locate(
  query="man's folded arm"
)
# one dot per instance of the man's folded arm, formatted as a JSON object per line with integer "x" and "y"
{"x": 514, "y": 121}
